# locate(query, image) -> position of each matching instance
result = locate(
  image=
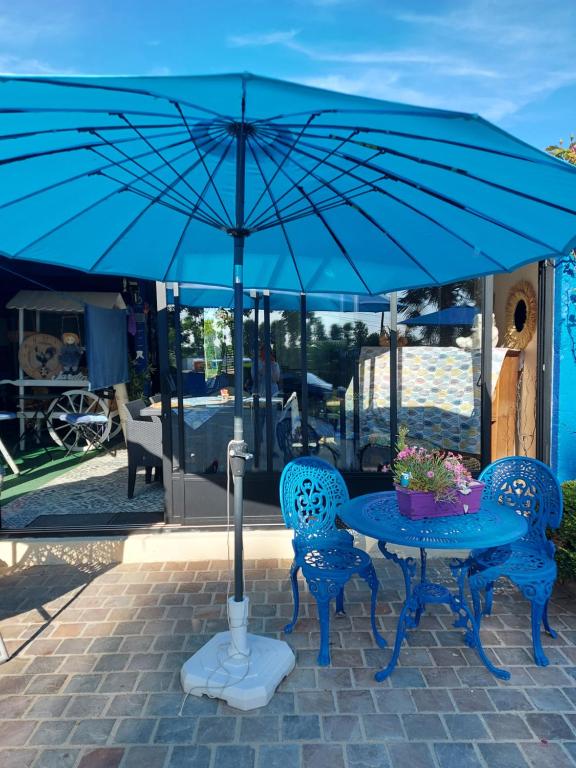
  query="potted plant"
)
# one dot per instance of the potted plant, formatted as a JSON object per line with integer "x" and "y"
{"x": 433, "y": 483}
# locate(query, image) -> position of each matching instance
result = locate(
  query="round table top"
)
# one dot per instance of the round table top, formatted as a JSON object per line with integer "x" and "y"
{"x": 377, "y": 515}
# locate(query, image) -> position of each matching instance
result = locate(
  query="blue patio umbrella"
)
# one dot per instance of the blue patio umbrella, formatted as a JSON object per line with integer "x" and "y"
{"x": 248, "y": 181}
{"x": 447, "y": 316}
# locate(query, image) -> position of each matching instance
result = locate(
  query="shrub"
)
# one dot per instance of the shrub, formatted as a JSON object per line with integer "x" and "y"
{"x": 565, "y": 536}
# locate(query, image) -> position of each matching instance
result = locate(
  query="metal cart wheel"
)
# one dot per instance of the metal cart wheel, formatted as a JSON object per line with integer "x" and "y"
{"x": 77, "y": 401}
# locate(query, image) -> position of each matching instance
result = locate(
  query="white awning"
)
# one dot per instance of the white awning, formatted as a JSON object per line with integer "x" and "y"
{"x": 65, "y": 301}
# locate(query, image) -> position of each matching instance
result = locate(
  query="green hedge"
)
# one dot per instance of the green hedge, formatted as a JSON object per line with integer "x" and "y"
{"x": 565, "y": 536}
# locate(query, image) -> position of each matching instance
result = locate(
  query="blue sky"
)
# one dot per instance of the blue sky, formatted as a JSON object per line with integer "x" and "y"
{"x": 509, "y": 60}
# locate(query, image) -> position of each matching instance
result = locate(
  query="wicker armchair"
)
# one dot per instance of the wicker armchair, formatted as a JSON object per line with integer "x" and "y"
{"x": 144, "y": 442}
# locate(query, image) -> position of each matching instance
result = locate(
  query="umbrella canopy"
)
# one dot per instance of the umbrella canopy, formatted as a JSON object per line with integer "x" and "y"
{"x": 138, "y": 176}
{"x": 244, "y": 180}
{"x": 448, "y": 316}
{"x": 199, "y": 296}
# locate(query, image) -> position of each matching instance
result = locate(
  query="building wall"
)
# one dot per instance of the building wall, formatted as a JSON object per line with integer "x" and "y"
{"x": 526, "y": 419}
{"x": 564, "y": 374}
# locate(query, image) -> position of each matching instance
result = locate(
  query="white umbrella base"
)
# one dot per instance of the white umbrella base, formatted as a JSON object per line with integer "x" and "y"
{"x": 244, "y": 682}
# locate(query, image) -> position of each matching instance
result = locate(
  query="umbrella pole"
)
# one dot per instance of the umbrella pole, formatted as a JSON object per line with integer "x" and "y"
{"x": 242, "y": 669}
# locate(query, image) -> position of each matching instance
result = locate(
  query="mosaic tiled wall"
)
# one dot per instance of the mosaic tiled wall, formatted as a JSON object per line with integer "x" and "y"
{"x": 438, "y": 395}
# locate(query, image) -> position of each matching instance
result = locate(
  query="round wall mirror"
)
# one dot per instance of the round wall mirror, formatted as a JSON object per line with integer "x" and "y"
{"x": 521, "y": 311}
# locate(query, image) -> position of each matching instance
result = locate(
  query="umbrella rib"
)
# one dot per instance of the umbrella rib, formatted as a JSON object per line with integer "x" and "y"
{"x": 202, "y": 157}
{"x": 169, "y": 165}
{"x": 279, "y": 166}
{"x": 125, "y": 187}
{"x": 283, "y": 228}
{"x": 544, "y": 160}
{"x": 81, "y": 129}
{"x": 70, "y": 179}
{"x": 373, "y": 185}
{"x": 191, "y": 217}
{"x": 382, "y": 150}
{"x": 373, "y": 221}
{"x": 432, "y": 193}
{"x": 262, "y": 214}
{"x": 451, "y": 201}
{"x": 110, "y": 88}
{"x": 263, "y": 223}
{"x": 323, "y": 220}
{"x": 123, "y": 154}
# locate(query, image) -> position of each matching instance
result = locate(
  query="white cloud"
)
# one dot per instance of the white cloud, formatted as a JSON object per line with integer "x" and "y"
{"x": 259, "y": 39}
{"x": 23, "y": 32}
{"x": 21, "y": 65}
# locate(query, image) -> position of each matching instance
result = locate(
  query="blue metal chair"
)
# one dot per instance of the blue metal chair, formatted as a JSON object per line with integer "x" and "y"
{"x": 311, "y": 490}
{"x": 529, "y": 487}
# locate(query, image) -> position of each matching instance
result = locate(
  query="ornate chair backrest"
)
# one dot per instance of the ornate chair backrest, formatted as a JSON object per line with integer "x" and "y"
{"x": 311, "y": 490}
{"x": 530, "y": 488}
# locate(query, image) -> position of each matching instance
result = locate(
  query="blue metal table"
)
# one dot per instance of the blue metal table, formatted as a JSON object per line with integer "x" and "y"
{"x": 377, "y": 515}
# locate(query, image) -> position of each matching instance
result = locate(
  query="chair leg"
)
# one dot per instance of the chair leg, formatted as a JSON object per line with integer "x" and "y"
{"x": 148, "y": 475}
{"x": 131, "y": 480}
{"x": 3, "y": 651}
{"x": 537, "y": 616}
{"x": 547, "y": 627}
{"x": 323, "y": 602}
{"x": 488, "y": 596}
{"x": 340, "y": 603}
{"x": 296, "y": 595}
{"x": 372, "y": 580}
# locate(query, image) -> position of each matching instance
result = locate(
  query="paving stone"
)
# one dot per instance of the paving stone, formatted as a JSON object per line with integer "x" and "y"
{"x": 434, "y": 700}
{"x": 387, "y": 726}
{"x": 395, "y": 701}
{"x": 549, "y": 726}
{"x": 300, "y": 727}
{"x": 465, "y": 727}
{"x": 468, "y": 700}
{"x": 145, "y": 757}
{"x": 412, "y": 755}
{"x": 56, "y": 758}
{"x": 549, "y": 700}
{"x": 502, "y": 756}
{"x": 407, "y": 677}
{"x": 356, "y": 702}
{"x": 216, "y": 730}
{"x": 546, "y": 756}
{"x": 105, "y": 757}
{"x": 92, "y": 731}
{"x": 507, "y": 727}
{"x": 119, "y": 682}
{"x": 341, "y": 728}
{"x": 18, "y": 758}
{"x": 332, "y": 679}
{"x": 424, "y": 727}
{"x": 457, "y": 756}
{"x": 322, "y": 756}
{"x": 13, "y": 707}
{"x": 367, "y": 756}
{"x": 188, "y": 757}
{"x": 176, "y": 730}
{"x": 52, "y": 732}
{"x": 46, "y": 684}
{"x": 87, "y": 705}
{"x": 127, "y": 704}
{"x": 265, "y": 728}
{"x": 316, "y": 702}
{"x": 279, "y": 756}
{"x": 15, "y": 733}
{"x": 476, "y": 677}
{"x": 441, "y": 677}
{"x": 234, "y": 757}
{"x": 509, "y": 700}
{"x": 134, "y": 730}
{"x": 83, "y": 684}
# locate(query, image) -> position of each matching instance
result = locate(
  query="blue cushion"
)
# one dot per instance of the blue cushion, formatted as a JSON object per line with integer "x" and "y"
{"x": 7, "y": 415}
{"x": 83, "y": 418}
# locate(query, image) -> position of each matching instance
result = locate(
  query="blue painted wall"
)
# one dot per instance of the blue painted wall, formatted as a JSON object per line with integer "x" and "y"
{"x": 564, "y": 374}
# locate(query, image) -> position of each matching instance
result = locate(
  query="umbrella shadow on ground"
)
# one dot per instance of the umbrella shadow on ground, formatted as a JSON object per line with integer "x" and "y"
{"x": 45, "y": 581}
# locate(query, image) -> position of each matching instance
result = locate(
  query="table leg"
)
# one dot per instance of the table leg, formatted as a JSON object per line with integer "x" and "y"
{"x": 426, "y": 592}
{"x": 407, "y": 618}
{"x": 465, "y": 617}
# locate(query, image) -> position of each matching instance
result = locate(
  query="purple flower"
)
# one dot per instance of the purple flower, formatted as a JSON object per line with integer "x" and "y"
{"x": 430, "y": 474}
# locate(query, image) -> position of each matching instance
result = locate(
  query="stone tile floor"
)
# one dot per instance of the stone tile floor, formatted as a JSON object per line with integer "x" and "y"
{"x": 95, "y": 679}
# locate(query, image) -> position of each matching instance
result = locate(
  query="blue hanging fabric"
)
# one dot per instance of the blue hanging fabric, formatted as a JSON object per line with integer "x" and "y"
{"x": 106, "y": 346}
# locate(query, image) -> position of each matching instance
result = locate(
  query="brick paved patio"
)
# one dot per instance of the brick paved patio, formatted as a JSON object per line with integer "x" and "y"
{"x": 99, "y": 686}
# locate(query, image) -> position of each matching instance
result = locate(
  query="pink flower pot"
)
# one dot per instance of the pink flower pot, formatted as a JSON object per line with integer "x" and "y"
{"x": 417, "y": 505}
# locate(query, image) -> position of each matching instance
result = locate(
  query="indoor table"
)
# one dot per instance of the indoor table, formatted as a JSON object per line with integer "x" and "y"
{"x": 377, "y": 515}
